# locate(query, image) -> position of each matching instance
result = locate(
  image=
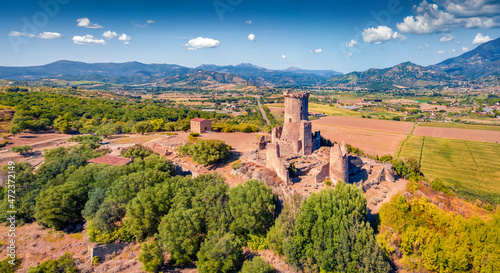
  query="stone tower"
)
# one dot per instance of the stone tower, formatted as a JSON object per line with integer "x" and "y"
{"x": 339, "y": 164}
{"x": 297, "y": 129}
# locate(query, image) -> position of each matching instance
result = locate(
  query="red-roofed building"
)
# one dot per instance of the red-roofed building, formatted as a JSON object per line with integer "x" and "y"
{"x": 112, "y": 160}
{"x": 200, "y": 125}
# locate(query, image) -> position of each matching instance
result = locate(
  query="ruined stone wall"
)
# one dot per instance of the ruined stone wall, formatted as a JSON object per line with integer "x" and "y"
{"x": 276, "y": 134}
{"x": 274, "y": 162}
{"x": 339, "y": 165}
{"x": 306, "y": 137}
{"x": 324, "y": 171}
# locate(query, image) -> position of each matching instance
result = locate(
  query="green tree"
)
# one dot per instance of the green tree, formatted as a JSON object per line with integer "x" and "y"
{"x": 62, "y": 125}
{"x": 221, "y": 252}
{"x": 142, "y": 127}
{"x": 180, "y": 234}
{"x": 252, "y": 207}
{"x": 151, "y": 256}
{"x": 149, "y": 206}
{"x": 157, "y": 124}
{"x": 15, "y": 129}
{"x": 57, "y": 206}
{"x": 6, "y": 267}
{"x": 206, "y": 152}
{"x": 331, "y": 234}
{"x": 137, "y": 151}
{"x": 96, "y": 197}
{"x": 257, "y": 265}
{"x": 21, "y": 149}
{"x": 281, "y": 233}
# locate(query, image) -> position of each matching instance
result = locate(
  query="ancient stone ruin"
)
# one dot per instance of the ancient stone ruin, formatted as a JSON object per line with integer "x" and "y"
{"x": 294, "y": 148}
{"x": 295, "y": 136}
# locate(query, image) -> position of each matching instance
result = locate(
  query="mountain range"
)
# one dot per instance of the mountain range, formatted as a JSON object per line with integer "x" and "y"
{"x": 481, "y": 62}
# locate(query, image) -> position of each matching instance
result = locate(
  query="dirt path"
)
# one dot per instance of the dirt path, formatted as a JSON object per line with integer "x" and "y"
{"x": 263, "y": 112}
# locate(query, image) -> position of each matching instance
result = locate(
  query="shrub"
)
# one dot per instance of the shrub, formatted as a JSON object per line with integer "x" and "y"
{"x": 220, "y": 253}
{"x": 151, "y": 256}
{"x": 257, "y": 264}
{"x": 6, "y": 267}
{"x": 95, "y": 261}
{"x": 137, "y": 151}
{"x": 438, "y": 185}
{"x": 65, "y": 264}
{"x": 5, "y": 142}
{"x": 236, "y": 165}
{"x": 206, "y": 152}
{"x": 21, "y": 149}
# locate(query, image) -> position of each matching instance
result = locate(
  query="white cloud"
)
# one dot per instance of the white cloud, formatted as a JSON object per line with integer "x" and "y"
{"x": 16, "y": 33}
{"x": 249, "y": 22}
{"x": 88, "y": 40}
{"x": 431, "y": 18}
{"x": 453, "y": 50}
{"x": 318, "y": 51}
{"x": 85, "y": 22}
{"x": 251, "y": 37}
{"x": 351, "y": 43}
{"x": 380, "y": 34}
{"x": 471, "y": 8}
{"x": 283, "y": 56}
{"x": 465, "y": 49}
{"x": 49, "y": 35}
{"x": 480, "y": 39}
{"x": 43, "y": 35}
{"x": 109, "y": 34}
{"x": 441, "y": 51}
{"x": 447, "y": 37}
{"x": 423, "y": 47}
{"x": 201, "y": 42}
{"x": 125, "y": 38}
{"x": 150, "y": 21}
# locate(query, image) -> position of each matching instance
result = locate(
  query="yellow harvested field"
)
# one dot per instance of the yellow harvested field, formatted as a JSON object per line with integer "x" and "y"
{"x": 377, "y": 137}
{"x": 456, "y": 133}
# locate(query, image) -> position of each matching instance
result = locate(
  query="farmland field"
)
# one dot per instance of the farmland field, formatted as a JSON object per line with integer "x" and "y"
{"x": 377, "y": 137}
{"x": 319, "y": 108}
{"x": 459, "y": 126}
{"x": 457, "y": 133}
{"x": 471, "y": 168}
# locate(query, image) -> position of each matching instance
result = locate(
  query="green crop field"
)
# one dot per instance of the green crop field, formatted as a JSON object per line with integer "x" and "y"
{"x": 459, "y": 126}
{"x": 471, "y": 168}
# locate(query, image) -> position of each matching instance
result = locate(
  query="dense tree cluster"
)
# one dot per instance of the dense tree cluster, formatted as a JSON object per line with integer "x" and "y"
{"x": 49, "y": 108}
{"x": 431, "y": 239}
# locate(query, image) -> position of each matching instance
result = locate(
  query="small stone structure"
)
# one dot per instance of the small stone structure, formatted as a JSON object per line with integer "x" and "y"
{"x": 200, "y": 125}
{"x": 339, "y": 164}
{"x": 275, "y": 163}
{"x": 102, "y": 251}
{"x": 262, "y": 143}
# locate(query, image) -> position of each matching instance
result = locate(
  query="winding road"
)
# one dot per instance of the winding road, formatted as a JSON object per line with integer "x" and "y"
{"x": 263, "y": 112}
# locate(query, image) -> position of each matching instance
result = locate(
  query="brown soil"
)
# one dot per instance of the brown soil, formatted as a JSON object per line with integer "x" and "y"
{"x": 455, "y": 133}
{"x": 377, "y": 125}
{"x": 39, "y": 142}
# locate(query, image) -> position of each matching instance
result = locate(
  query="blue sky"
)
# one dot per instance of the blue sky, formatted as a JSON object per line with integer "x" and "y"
{"x": 340, "y": 35}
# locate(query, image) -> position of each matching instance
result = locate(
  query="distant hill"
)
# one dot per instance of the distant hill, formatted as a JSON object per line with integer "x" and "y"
{"x": 264, "y": 76}
{"x": 131, "y": 73}
{"x": 404, "y": 75}
{"x": 480, "y": 62}
{"x": 323, "y": 73}
{"x": 476, "y": 64}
